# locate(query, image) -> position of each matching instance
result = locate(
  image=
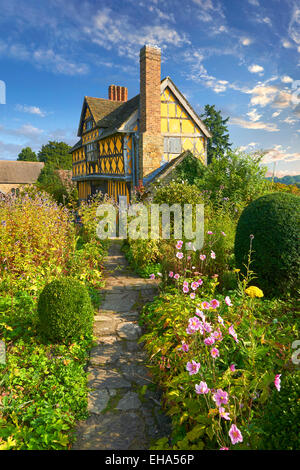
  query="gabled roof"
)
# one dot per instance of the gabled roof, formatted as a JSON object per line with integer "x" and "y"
{"x": 111, "y": 115}
{"x": 167, "y": 82}
{"x": 165, "y": 169}
{"x": 12, "y": 171}
{"x": 99, "y": 108}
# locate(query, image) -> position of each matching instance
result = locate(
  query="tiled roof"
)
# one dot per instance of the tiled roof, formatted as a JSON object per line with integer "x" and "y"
{"x": 118, "y": 116}
{"x": 12, "y": 171}
{"x": 165, "y": 169}
{"x": 101, "y": 107}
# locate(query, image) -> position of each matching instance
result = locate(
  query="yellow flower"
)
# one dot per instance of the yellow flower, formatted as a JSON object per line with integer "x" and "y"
{"x": 212, "y": 412}
{"x": 254, "y": 291}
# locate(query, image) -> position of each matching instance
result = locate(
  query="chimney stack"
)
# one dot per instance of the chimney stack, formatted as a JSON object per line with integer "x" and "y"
{"x": 151, "y": 140}
{"x": 117, "y": 93}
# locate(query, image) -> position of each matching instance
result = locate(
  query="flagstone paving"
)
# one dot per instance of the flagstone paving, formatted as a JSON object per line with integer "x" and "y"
{"x": 122, "y": 415}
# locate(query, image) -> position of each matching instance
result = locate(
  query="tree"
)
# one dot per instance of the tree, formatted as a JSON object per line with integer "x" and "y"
{"x": 56, "y": 155}
{"x": 27, "y": 155}
{"x": 219, "y": 143}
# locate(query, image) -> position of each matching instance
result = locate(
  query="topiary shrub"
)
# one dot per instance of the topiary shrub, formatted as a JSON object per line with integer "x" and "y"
{"x": 273, "y": 219}
{"x": 65, "y": 310}
{"x": 280, "y": 421}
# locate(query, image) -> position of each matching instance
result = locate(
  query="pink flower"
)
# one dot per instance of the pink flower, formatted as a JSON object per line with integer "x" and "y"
{"x": 213, "y": 255}
{"x": 171, "y": 274}
{"x": 233, "y": 333}
{"x": 179, "y": 255}
{"x": 224, "y": 414}
{"x": 200, "y": 282}
{"x": 185, "y": 289}
{"x": 202, "y": 388}
{"x": 192, "y": 295}
{"x": 194, "y": 285}
{"x": 152, "y": 276}
{"x": 209, "y": 233}
{"x": 214, "y": 352}
{"x": 189, "y": 258}
{"x": 202, "y": 257}
{"x": 224, "y": 234}
{"x": 179, "y": 244}
{"x": 277, "y": 381}
{"x": 205, "y": 305}
{"x": 224, "y": 448}
{"x": 200, "y": 314}
{"x": 232, "y": 367}
{"x": 190, "y": 331}
{"x": 215, "y": 303}
{"x": 184, "y": 347}
{"x": 209, "y": 341}
{"x": 220, "y": 397}
{"x": 176, "y": 276}
{"x": 220, "y": 320}
{"x": 207, "y": 327}
{"x": 218, "y": 335}
{"x": 228, "y": 301}
{"x": 194, "y": 323}
{"x": 235, "y": 434}
{"x": 193, "y": 367}
{"x": 185, "y": 283}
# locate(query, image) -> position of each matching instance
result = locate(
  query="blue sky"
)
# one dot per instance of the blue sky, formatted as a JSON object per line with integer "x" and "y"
{"x": 241, "y": 55}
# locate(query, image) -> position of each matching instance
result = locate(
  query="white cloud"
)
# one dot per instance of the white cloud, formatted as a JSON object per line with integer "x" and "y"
{"x": 246, "y": 41}
{"x": 253, "y": 115}
{"x": 276, "y": 154}
{"x": 254, "y": 2}
{"x": 31, "y": 110}
{"x": 289, "y": 120}
{"x": 249, "y": 146}
{"x": 263, "y": 95}
{"x": 253, "y": 125}
{"x": 276, "y": 113}
{"x": 286, "y": 44}
{"x": 281, "y": 173}
{"x": 294, "y": 26}
{"x": 286, "y": 79}
{"x": 255, "y": 68}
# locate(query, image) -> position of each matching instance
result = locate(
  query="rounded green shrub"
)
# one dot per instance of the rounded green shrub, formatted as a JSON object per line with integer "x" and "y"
{"x": 280, "y": 421}
{"x": 273, "y": 220}
{"x": 65, "y": 310}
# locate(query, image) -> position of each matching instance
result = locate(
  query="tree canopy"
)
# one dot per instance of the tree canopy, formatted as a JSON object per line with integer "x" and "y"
{"x": 56, "y": 155}
{"x": 27, "y": 155}
{"x": 219, "y": 144}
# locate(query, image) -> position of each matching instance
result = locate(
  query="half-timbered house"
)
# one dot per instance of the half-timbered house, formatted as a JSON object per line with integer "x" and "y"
{"x": 124, "y": 141}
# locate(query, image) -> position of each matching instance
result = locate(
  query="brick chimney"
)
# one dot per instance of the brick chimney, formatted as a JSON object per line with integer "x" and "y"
{"x": 151, "y": 140}
{"x": 117, "y": 93}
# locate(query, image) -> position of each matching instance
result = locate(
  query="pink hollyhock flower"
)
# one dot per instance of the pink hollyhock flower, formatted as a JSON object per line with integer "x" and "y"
{"x": 152, "y": 276}
{"x": 235, "y": 434}
{"x": 232, "y": 367}
{"x": 200, "y": 314}
{"x": 184, "y": 347}
{"x": 179, "y": 255}
{"x": 193, "y": 367}
{"x": 185, "y": 289}
{"x": 213, "y": 255}
{"x": 194, "y": 285}
{"x": 209, "y": 233}
{"x": 179, "y": 244}
{"x": 224, "y": 448}
{"x": 205, "y": 305}
{"x": 277, "y": 381}
{"x": 209, "y": 341}
{"x": 233, "y": 333}
{"x": 215, "y": 352}
{"x": 215, "y": 303}
{"x": 171, "y": 274}
{"x": 192, "y": 295}
{"x": 224, "y": 414}
{"x": 200, "y": 282}
{"x": 202, "y": 257}
{"x": 202, "y": 388}
{"x": 220, "y": 320}
{"x": 228, "y": 301}
{"x": 220, "y": 397}
{"x": 176, "y": 276}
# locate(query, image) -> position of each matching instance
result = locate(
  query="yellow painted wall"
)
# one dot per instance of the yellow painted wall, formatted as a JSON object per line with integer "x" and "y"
{"x": 116, "y": 188}
{"x": 175, "y": 121}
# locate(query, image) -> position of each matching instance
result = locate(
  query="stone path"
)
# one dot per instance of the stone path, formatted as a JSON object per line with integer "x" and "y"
{"x": 124, "y": 414}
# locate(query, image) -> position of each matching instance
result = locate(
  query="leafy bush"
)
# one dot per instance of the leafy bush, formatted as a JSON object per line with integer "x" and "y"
{"x": 177, "y": 193}
{"x": 281, "y": 418}
{"x": 190, "y": 169}
{"x": 273, "y": 220}
{"x": 65, "y": 310}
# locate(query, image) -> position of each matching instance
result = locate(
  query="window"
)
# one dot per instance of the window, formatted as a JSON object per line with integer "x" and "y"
{"x": 88, "y": 125}
{"x": 172, "y": 145}
{"x": 91, "y": 152}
